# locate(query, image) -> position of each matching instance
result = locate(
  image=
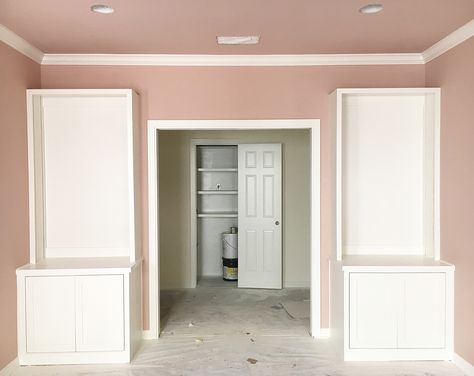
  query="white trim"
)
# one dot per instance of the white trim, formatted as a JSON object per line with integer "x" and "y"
{"x": 10, "y": 368}
{"x": 147, "y": 335}
{"x": 153, "y": 234}
{"x": 18, "y": 43}
{"x": 466, "y": 367}
{"x": 30, "y": 120}
{"x": 155, "y": 125}
{"x": 84, "y": 92}
{"x": 450, "y": 41}
{"x": 324, "y": 333}
{"x": 315, "y": 236}
{"x": 232, "y": 60}
{"x": 232, "y": 124}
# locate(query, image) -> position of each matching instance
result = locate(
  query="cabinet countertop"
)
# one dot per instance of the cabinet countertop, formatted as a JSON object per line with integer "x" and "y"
{"x": 393, "y": 263}
{"x": 75, "y": 265}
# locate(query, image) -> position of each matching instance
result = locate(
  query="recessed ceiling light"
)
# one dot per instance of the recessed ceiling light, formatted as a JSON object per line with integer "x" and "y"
{"x": 371, "y": 8}
{"x": 100, "y": 8}
{"x": 238, "y": 40}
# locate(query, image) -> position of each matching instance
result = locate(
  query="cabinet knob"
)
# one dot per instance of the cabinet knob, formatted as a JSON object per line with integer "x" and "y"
{"x": 277, "y": 223}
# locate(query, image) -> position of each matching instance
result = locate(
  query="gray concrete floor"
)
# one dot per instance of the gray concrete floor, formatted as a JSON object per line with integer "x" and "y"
{"x": 217, "y": 329}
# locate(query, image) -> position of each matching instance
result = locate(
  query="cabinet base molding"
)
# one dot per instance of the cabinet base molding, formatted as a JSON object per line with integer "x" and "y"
{"x": 102, "y": 357}
{"x": 466, "y": 367}
{"x": 396, "y": 354}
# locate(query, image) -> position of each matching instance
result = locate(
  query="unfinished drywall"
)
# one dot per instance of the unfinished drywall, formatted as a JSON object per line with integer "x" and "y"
{"x": 174, "y": 156}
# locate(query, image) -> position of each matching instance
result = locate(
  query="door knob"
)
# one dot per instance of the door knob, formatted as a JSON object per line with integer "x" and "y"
{"x": 277, "y": 223}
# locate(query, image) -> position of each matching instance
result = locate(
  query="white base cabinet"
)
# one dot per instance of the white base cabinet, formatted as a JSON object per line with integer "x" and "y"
{"x": 397, "y": 310}
{"x": 393, "y": 312}
{"x": 78, "y": 316}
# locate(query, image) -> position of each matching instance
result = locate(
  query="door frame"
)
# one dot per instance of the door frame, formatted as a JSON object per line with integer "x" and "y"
{"x": 154, "y": 126}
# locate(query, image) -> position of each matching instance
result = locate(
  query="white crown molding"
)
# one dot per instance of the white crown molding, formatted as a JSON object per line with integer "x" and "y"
{"x": 466, "y": 367}
{"x": 232, "y": 60}
{"x": 18, "y": 43}
{"x": 452, "y": 40}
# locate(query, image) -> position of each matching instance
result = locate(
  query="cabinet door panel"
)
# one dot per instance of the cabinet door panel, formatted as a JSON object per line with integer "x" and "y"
{"x": 423, "y": 320}
{"x": 50, "y": 314}
{"x": 373, "y": 306}
{"x": 100, "y": 313}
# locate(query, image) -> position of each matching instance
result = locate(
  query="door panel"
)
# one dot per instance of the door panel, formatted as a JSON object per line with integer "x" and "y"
{"x": 260, "y": 253}
{"x": 50, "y": 314}
{"x": 251, "y": 196}
{"x": 423, "y": 323}
{"x": 100, "y": 317}
{"x": 374, "y": 304}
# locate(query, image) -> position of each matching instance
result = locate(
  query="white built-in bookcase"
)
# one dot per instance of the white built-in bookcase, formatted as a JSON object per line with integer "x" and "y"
{"x": 391, "y": 295}
{"x": 79, "y": 298}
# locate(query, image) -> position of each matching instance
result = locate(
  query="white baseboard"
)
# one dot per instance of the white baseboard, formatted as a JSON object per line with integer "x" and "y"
{"x": 10, "y": 369}
{"x": 466, "y": 367}
{"x": 323, "y": 333}
{"x": 147, "y": 334}
{"x": 297, "y": 284}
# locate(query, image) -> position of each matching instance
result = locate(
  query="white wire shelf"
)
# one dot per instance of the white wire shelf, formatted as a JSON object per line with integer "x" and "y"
{"x": 218, "y": 215}
{"x": 217, "y": 192}
{"x": 217, "y": 169}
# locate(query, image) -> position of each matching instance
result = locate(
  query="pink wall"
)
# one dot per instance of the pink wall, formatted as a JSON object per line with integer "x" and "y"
{"x": 454, "y": 73}
{"x": 17, "y": 73}
{"x": 240, "y": 93}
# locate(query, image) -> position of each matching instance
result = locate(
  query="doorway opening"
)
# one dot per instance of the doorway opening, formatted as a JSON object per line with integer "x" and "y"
{"x": 172, "y": 179}
{"x": 236, "y": 208}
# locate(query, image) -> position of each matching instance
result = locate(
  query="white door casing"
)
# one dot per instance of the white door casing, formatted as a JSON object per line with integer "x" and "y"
{"x": 154, "y": 126}
{"x": 260, "y": 253}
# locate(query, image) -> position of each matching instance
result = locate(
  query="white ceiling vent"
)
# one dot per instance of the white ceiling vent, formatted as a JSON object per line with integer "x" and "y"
{"x": 238, "y": 40}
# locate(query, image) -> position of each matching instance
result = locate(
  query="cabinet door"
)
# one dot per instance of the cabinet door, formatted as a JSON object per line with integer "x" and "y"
{"x": 100, "y": 313}
{"x": 423, "y": 319}
{"x": 373, "y": 306}
{"x": 50, "y": 314}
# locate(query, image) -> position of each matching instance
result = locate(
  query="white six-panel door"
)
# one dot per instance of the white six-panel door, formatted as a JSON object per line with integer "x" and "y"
{"x": 260, "y": 254}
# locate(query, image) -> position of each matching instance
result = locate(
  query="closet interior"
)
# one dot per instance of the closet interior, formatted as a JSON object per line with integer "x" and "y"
{"x": 217, "y": 204}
